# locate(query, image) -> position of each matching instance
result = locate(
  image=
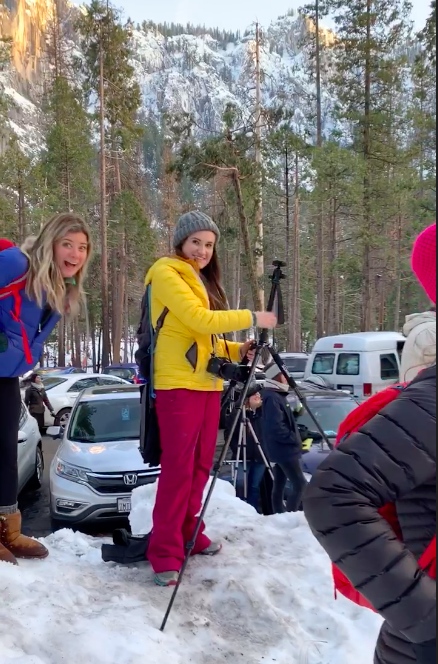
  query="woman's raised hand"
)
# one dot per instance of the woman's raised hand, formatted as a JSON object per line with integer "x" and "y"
{"x": 266, "y": 320}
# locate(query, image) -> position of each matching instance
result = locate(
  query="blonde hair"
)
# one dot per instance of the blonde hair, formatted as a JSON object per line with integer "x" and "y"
{"x": 45, "y": 282}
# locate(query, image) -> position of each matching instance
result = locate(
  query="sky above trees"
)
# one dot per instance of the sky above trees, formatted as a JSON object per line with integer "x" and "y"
{"x": 227, "y": 14}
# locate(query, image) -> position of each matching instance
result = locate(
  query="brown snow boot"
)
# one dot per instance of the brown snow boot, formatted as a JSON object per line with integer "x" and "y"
{"x": 6, "y": 556}
{"x": 16, "y": 543}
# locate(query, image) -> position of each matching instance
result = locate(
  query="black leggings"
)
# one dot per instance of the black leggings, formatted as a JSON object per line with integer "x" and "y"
{"x": 40, "y": 418}
{"x": 10, "y": 408}
{"x": 283, "y": 472}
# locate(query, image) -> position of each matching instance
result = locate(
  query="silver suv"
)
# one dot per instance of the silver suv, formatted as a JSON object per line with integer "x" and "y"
{"x": 98, "y": 463}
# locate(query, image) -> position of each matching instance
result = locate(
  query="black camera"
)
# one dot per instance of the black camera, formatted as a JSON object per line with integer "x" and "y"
{"x": 223, "y": 368}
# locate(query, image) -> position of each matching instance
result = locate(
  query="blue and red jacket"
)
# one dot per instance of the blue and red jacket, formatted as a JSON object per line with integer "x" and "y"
{"x": 24, "y": 327}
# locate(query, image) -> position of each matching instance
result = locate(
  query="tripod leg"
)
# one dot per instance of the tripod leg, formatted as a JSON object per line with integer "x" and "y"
{"x": 245, "y": 463}
{"x": 239, "y": 451}
{"x": 217, "y": 470}
{"x": 262, "y": 452}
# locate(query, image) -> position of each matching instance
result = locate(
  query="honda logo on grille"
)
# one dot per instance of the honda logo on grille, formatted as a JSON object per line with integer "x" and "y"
{"x": 131, "y": 479}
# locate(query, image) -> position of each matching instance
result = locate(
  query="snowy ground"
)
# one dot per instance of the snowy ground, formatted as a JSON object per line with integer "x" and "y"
{"x": 268, "y": 598}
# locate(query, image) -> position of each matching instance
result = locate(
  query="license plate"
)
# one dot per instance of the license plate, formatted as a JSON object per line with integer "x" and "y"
{"x": 124, "y": 505}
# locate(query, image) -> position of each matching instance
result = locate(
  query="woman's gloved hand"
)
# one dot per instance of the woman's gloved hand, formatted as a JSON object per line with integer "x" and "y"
{"x": 426, "y": 652}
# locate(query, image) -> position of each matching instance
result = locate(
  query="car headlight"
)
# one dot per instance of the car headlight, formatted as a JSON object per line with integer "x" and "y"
{"x": 72, "y": 473}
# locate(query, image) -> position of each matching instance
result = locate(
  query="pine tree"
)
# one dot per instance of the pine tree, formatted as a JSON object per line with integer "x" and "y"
{"x": 428, "y": 35}
{"x": 371, "y": 36}
{"x": 68, "y": 161}
{"x": 107, "y": 48}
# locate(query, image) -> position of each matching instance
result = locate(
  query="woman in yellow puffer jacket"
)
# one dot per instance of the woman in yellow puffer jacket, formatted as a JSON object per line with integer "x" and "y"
{"x": 188, "y": 397}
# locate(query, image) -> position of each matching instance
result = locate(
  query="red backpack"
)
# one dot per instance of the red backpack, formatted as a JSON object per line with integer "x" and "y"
{"x": 354, "y": 422}
{"x": 15, "y": 289}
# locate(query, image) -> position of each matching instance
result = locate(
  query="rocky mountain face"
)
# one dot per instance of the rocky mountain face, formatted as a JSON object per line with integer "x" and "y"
{"x": 25, "y": 21}
{"x": 191, "y": 73}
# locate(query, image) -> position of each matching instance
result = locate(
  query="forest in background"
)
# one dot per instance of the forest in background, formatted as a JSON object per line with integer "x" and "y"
{"x": 339, "y": 201}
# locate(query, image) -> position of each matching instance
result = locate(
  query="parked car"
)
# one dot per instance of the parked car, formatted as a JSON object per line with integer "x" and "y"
{"x": 363, "y": 364}
{"x": 46, "y": 373}
{"x": 330, "y": 409}
{"x": 296, "y": 364}
{"x": 129, "y": 372}
{"x": 30, "y": 453}
{"x": 63, "y": 391}
{"x": 98, "y": 463}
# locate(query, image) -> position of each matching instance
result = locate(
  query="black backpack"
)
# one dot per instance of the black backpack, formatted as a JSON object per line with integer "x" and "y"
{"x": 150, "y": 444}
{"x": 147, "y": 336}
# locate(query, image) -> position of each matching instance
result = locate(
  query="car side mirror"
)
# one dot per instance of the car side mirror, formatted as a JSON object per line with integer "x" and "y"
{"x": 22, "y": 438}
{"x": 54, "y": 432}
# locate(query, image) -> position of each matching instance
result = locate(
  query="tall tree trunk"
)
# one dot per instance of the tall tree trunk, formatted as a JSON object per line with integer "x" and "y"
{"x": 93, "y": 341}
{"x": 252, "y": 267}
{"x": 290, "y": 255}
{"x": 296, "y": 292}
{"x": 398, "y": 271}
{"x": 21, "y": 208}
{"x": 99, "y": 352}
{"x": 120, "y": 268}
{"x": 106, "y": 342}
{"x": 61, "y": 343}
{"x": 333, "y": 316}
{"x": 126, "y": 325}
{"x": 77, "y": 344}
{"x": 260, "y": 261}
{"x": 320, "y": 275}
{"x": 368, "y": 322}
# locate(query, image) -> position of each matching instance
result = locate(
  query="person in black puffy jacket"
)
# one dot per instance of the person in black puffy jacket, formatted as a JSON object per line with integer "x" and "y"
{"x": 283, "y": 441}
{"x": 392, "y": 459}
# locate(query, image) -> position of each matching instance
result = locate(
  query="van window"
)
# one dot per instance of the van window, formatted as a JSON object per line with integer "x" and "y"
{"x": 389, "y": 367}
{"x": 324, "y": 364}
{"x": 349, "y": 364}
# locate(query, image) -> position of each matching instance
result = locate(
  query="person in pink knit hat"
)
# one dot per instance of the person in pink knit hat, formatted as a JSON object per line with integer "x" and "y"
{"x": 420, "y": 329}
{"x": 391, "y": 460}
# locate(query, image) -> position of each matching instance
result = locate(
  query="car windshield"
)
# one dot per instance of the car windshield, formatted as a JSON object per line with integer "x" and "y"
{"x": 296, "y": 364}
{"x": 50, "y": 383}
{"x": 121, "y": 372}
{"x": 106, "y": 421}
{"x": 330, "y": 413}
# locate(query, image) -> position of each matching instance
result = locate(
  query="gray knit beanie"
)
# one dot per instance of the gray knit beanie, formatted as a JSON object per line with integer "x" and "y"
{"x": 192, "y": 222}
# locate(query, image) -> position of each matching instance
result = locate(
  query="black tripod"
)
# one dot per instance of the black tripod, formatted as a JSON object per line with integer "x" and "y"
{"x": 246, "y": 429}
{"x": 261, "y": 346}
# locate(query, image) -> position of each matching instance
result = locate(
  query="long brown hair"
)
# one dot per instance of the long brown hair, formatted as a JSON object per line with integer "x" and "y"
{"x": 212, "y": 279}
{"x": 44, "y": 278}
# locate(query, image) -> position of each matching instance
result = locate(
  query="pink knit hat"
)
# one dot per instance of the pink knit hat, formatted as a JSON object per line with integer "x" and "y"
{"x": 424, "y": 261}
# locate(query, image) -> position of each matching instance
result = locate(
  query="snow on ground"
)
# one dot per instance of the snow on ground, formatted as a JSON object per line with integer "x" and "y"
{"x": 267, "y": 598}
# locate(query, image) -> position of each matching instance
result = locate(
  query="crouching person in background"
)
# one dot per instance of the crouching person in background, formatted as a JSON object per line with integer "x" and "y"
{"x": 283, "y": 442}
{"x": 255, "y": 465}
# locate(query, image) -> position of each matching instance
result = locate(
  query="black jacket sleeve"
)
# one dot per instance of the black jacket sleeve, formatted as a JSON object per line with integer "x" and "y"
{"x": 27, "y": 397}
{"x": 275, "y": 421}
{"x": 393, "y": 454}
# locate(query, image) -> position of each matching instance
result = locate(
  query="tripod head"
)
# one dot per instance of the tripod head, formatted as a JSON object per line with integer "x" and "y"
{"x": 275, "y": 296}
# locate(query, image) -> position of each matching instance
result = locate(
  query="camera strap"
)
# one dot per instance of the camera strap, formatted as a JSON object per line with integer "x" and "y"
{"x": 214, "y": 338}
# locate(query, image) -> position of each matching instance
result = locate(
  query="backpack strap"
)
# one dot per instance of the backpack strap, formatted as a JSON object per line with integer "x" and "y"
{"x": 14, "y": 290}
{"x": 427, "y": 561}
{"x": 154, "y": 336}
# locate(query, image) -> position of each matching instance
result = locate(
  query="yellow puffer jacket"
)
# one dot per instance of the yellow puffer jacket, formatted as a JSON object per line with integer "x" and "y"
{"x": 189, "y": 326}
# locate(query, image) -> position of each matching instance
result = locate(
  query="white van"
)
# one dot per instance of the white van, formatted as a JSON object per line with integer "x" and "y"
{"x": 363, "y": 363}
